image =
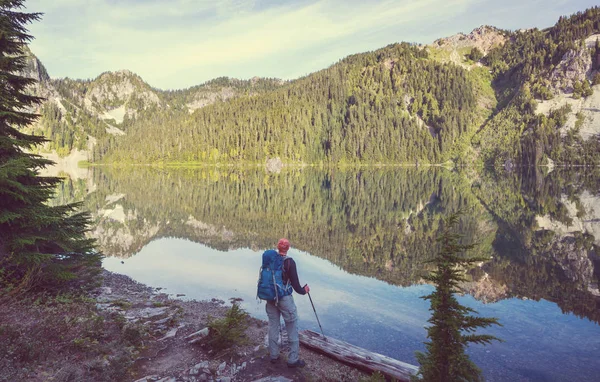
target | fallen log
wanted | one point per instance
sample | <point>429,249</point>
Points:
<point>357,357</point>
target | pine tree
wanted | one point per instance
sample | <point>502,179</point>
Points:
<point>586,89</point>
<point>453,327</point>
<point>577,89</point>
<point>38,243</point>
<point>475,54</point>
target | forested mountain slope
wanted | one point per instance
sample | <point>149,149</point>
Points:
<point>391,105</point>
<point>77,114</point>
<point>492,97</point>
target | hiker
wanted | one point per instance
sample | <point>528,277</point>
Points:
<point>286,307</point>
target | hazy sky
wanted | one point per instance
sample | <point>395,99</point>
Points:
<point>181,43</point>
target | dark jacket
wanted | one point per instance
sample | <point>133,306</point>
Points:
<point>291,273</point>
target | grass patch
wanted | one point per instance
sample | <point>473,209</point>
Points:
<point>121,304</point>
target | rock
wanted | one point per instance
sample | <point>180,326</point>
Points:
<point>103,306</point>
<point>150,313</point>
<point>197,336</point>
<point>163,321</point>
<point>106,290</point>
<point>168,379</point>
<point>199,366</point>
<point>274,379</point>
<point>222,367</point>
<point>148,378</point>
<point>226,379</point>
<point>575,65</point>
<point>203,377</point>
<point>170,334</point>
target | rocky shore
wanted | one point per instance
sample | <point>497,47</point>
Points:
<point>128,331</point>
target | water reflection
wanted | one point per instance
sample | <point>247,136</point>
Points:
<point>201,232</point>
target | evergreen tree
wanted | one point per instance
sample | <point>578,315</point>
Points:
<point>38,243</point>
<point>577,89</point>
<point>452,325</point>
<point>475,54</point>
<point>586,89</point>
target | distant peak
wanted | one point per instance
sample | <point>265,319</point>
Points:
<point>483,37</point>
<point>125,72</point>
<point>485,29</point>
<point>119,73</point>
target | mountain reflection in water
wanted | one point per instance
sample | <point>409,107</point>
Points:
<point>361,239</point>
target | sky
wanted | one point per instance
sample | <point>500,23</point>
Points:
<point>174,44</point>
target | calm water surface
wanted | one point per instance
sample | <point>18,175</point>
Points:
<point>360,239</point>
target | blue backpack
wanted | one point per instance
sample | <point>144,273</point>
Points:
<point>270,278</point>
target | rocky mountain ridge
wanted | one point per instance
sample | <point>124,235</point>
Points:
<point>112,101</point>
<point>456,47</point>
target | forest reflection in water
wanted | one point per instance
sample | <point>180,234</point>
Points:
<point>540,231</point>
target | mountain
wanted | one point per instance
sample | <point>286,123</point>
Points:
<point>77,114</point>
<point>492,97</point>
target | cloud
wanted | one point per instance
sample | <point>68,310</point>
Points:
<point>179,43</point>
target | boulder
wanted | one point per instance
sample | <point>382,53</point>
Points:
<point>575,65</point>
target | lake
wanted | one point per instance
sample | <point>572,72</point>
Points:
<point>361,239</point>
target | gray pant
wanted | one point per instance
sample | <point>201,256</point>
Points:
<point>287,309</point>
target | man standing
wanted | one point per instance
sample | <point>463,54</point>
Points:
<point>286,307</point>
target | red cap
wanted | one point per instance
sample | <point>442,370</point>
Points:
<point>283,246</point>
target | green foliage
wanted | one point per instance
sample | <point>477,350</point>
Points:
<point>580,120</point>
<point>475,55</point>
<point>123,304</point>
<point>39,243</point>
<point>596,80</point>
<point>390,105</point>
<point>452,325</point>
<point>133,334</point>
<point>577,90</point>
<point>541,90</point>
<point>229,330</point>
<point>586,89</point>
<point>397,104</point>
<point>520,67</point>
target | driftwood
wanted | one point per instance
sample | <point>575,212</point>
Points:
<point>357,357</point>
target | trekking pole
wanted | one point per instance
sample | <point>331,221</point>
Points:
<point>314,310</point>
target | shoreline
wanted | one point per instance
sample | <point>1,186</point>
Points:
<point>127,331</point>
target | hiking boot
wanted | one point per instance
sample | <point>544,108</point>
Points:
<point>274,360</point>
<point>298,363</point>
